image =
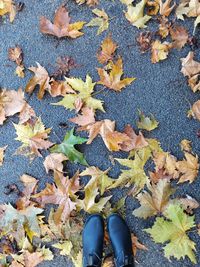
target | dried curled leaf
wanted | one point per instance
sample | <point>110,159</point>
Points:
<point>61,26</point>
<point>179,36</point>
<point>112,78</point>
<point>166,8</point>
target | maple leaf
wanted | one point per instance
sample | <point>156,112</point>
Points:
<point>19,221</point>
<point>190,67</point>
<point>188,167</point>
<point>64,65</point>
<point>26,114</point>
<point>88,204</point>
<point>2,150</point>
<point>134,175</point>
<point>61,26</point>
<point>194,83</point>
<point>187,203</point>
<point>159,51</point>
<point>146,123</point>
<point>8,6</point>
<point>174,231</point>
<point>179,36</point>
<point>33,136</point>
<point>101,177</point>
<point>85,90</point>
<point>60,88</point>
<point>112,79</point>
<point>102,21</point>
<point>165,8</point>
<point>108,48</point>
<point>135,14</point>
<point>61,193</point>
<point>32,259</point>
<point>11,102</point>
<point>155,200</point>
<point>68,149</point>
<point>153,7</point>
<point>164,27</point>
<point>54,162</point>
<point>41,78</point>
<point>86,118</point>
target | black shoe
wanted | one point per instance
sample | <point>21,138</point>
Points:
<point>120,237</point>
<point>93,237</point>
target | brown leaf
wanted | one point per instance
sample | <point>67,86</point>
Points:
<point>26,113</point>
<point>195,111</point>
<point>41,78</point>
<point>190,67</point>
<point>64,65</point>
<point>153,7</point>
<point>108,48</point>
<point>194,83</point>
<point>165,8</point>
<point>188,167</point>
<point>54,162</point>
<point>11,102</point>
<point>61,26</point>
<point>15,54</point>
<point>60,88</point>
<point>61,193</point>
<point>136,244</point>
<point>135,141</point>
<point>189,204</point>
<point>186,145</point>
<point>159,51</point>
<point>179,36</point>
<point>108,262</point>
<point>164,27</point>
<point>86,118</point>
<point>112,79</point>
<point>144,41</point>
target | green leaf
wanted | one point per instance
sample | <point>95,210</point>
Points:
<point>147,123</point>
<point>174,231</point>
<point>68,149</point>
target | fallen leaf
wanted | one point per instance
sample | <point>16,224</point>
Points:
<point>15,54</point>
<point>165,8</point>
<point>164,27</point>
<point>155,200</point>
<point>89,204</point>
<point>195,111</point>
<point>186,145</point>
<point>144,41</point>
<point>179,36</point>
<point>194,83</point>
<point>26,114</point>
<point>33,137</point>
<point>97,176</point>
<point>8,6</point>
<point>174,233</point>
<point>188,167</point>
<point>159,51</point>
<point>112,79</point>
<point>108,262</point>
<point>102,21</point>
<point>67,148</point>
<point>11,102</point>
<point>54,162</point>
<point>41,78</point>
<point>108,48</point>
<point>88,2</point>
<point>146,123</point>
<point>153,7</point>
<point>61,26</point>
<point>86,118</point>
<point>135,14</point>
<point>188,204</point>
<point>190,67</point>
<point>60,88</point>
<point>137,245</point>
<point>61,193</point>
<point>84,95</point>
<point>64,64</point>
<point>20,71</point>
